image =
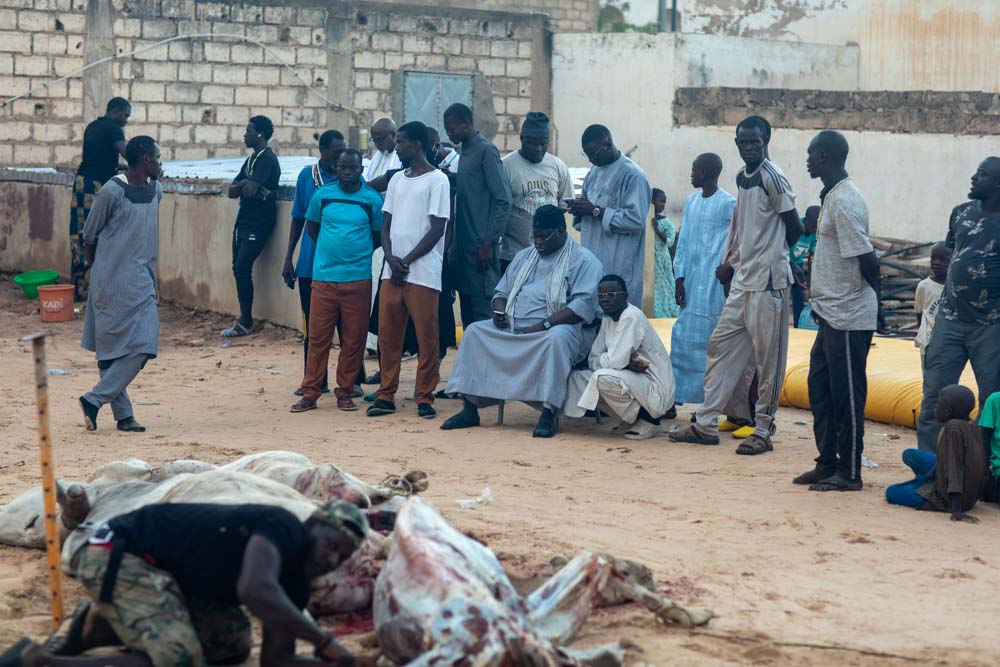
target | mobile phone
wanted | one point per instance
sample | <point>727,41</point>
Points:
<point>501,313</point>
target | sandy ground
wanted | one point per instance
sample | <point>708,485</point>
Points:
<point>796,578</point>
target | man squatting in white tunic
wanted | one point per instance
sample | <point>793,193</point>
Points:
<point>629,372</point>
<point>536,336</point>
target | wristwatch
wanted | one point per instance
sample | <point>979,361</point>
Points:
<point>596,212</point>
<point>546,324</point>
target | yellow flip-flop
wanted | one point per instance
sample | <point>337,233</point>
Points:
<point>725,426</point>
<point>743,432</point>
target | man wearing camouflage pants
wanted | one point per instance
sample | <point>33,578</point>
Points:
<point>169,581</point>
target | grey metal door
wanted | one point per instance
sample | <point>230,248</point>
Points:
<point>427,95</point>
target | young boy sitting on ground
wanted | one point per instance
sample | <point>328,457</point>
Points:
<point>952,480</point>
<point>989,424</point>
<point>925,301</point>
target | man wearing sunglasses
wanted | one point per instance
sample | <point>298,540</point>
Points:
<point>611,212</point>
<point>528,350</point>
<point>629,372</point>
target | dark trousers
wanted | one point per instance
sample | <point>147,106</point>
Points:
<point>952,344</point>
<point>798,304</point>
<point>247,247</point>
<point>475,308</point>
<point>305,294</point>
<point>838,388</point>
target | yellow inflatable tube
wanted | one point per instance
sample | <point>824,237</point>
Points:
<point>895,381</point>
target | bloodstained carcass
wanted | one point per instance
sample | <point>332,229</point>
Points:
<point>443,599</point>
<point>283,479</point>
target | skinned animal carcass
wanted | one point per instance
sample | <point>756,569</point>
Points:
<point>269,478</point>
<point>21,520</point>
<point>443,599</point>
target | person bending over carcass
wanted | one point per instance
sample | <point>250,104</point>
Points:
<point>169,581</point>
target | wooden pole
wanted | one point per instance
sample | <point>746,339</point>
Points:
<point>52,547</point>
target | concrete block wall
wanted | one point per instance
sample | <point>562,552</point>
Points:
<point>36,45</point>
<point>196,95</point>
<point>497,49</point>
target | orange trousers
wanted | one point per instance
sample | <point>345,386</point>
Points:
<point>396,304</point>
<point>350,305</point>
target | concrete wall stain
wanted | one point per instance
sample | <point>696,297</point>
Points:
<point>904,44</point>
<point>907,112</point>
<point>763,18</point>
<point>40,214</point>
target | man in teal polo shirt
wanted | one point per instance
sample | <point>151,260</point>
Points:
<point>344,219</point>
<point>324,172</point>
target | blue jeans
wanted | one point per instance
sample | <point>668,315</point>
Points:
<point>905,494</point>
<point>952,344</point>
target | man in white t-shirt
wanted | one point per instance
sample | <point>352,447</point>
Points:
<point>417,206</point>
<point>844,299</point>
<point>537,178</point>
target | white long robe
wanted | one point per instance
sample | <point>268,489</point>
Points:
<point>609,383</point>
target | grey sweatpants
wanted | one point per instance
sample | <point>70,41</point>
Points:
<point>752,325</point>
<point>116,375</point>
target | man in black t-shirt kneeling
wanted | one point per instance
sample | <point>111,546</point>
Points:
<point>170,579</point>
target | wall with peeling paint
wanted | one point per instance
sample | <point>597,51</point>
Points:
<point>904,44</point>
<point>600,76</point>
<point>911,181</point>
<point>195,265</point>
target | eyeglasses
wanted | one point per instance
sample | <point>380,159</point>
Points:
<point>598,151</point>
<point>544,238</point>
<point>608,295</point>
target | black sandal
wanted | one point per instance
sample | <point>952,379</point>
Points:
<point>130,425</point>
<point>692,436</point>
<point>754,445</point>
<point>837,483</point>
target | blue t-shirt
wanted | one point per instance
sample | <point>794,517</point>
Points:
<point>346,222</point>
<point>305,188</point>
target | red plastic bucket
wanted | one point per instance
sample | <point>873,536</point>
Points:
<point>56,303</point>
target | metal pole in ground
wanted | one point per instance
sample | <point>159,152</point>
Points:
<point>52,547</point>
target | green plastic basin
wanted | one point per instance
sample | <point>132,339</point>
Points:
<point>32,280</point>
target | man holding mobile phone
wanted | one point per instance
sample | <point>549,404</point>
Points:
<point>611,211</point>
<point>527,352</point>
